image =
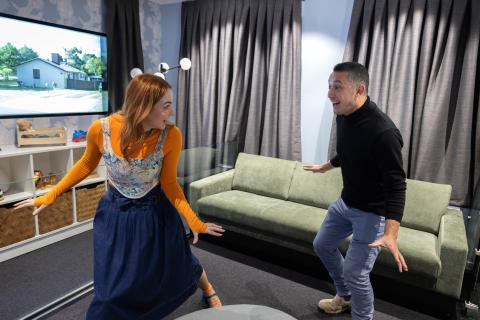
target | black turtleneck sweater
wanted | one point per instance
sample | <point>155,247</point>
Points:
<point>369,153</point>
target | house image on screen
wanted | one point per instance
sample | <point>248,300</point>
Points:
<point>41,73</point>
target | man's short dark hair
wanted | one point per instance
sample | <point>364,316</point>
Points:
<point>356,72</point>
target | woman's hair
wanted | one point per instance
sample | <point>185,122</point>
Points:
<point>143,92</point>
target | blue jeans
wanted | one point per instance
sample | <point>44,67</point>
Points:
<point>351,275</point>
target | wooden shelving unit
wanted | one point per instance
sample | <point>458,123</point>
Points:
<point>62,221</point>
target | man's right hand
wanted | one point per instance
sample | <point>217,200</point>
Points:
<point>29,203</point>
<point>318,168</point>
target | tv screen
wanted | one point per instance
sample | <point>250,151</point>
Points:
<point>47,69</point>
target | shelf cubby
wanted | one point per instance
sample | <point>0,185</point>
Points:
<point>16,179</point>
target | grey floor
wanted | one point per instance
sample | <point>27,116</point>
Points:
<point>35,279</point>
<point>30,280</point>
<point>239,283</point>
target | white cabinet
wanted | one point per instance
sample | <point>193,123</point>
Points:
<point>26,173</point>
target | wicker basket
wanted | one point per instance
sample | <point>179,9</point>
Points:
<point>16,225</point>
<point>87,201</point>
<point>57,215</point>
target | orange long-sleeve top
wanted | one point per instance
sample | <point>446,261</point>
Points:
<point>168,175</point>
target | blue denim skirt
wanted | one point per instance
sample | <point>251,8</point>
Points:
<point>143,265</point>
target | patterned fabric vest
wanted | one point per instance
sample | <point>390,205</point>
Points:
<point>137,178</point>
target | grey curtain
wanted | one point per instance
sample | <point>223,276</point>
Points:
<point>423,60</point>
<point>243,90</point>
<point>124,48</point>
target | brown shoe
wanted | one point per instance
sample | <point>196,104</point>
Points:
<point>335,305</point>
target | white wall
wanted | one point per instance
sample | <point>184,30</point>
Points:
<point>324,33</point>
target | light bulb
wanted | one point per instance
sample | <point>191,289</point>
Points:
<point>185,63</point>
<point>159,74</point>
<point>163,67</point>
<point>135,72</point>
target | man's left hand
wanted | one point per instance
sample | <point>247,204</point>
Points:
<point>391,244</point>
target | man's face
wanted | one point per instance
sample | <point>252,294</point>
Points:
<point>342,93</point>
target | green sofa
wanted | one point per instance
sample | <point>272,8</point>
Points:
<point>276,200</point>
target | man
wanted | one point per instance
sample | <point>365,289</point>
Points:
<point>373,196</point>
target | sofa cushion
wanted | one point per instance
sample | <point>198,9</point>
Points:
<point>283,218</point>
<point>417,247</point>
<point>237,206</point>
<point>294,220</point>
<point>419,250</point>
<point>315,189</point>
<point>425,205</point>
<point>264,176</point>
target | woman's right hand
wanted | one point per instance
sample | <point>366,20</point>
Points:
<point>212,229</point>
<point>29,203</point>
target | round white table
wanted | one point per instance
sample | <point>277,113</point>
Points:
<point>238,312</point>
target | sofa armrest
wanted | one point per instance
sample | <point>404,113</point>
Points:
<point>210,185</point>
<point>452,248</point>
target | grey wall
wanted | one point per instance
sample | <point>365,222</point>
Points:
<point>161,28</point>
<point>83,14</point>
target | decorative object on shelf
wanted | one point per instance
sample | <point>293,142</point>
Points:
<point>52,179</point>
<point>24,125</point>
<point>26,135</point>
<point>79,135</point>
<point>184,64</point>
<point>39,179</point>
<point>4,181</point>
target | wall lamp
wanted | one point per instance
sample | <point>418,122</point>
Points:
<point>184,64</point>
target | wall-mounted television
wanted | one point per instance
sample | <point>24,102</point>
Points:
<point>51,70</point>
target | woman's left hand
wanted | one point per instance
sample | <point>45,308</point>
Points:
<point>212,229</point>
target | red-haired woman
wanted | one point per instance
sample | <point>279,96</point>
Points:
<point>143,265</point>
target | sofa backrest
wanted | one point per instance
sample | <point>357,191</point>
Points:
<point>263,175</point>
<point>315,189</point>
<point>425,205</point>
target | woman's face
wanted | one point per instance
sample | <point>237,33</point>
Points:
<point>161,112</point>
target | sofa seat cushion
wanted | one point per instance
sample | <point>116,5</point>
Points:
<point>283,218</point>
<point>295,220</point>
<point>237,206</point>
<point>419,249</point>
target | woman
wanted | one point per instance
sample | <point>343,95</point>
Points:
<point>143,266</point>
